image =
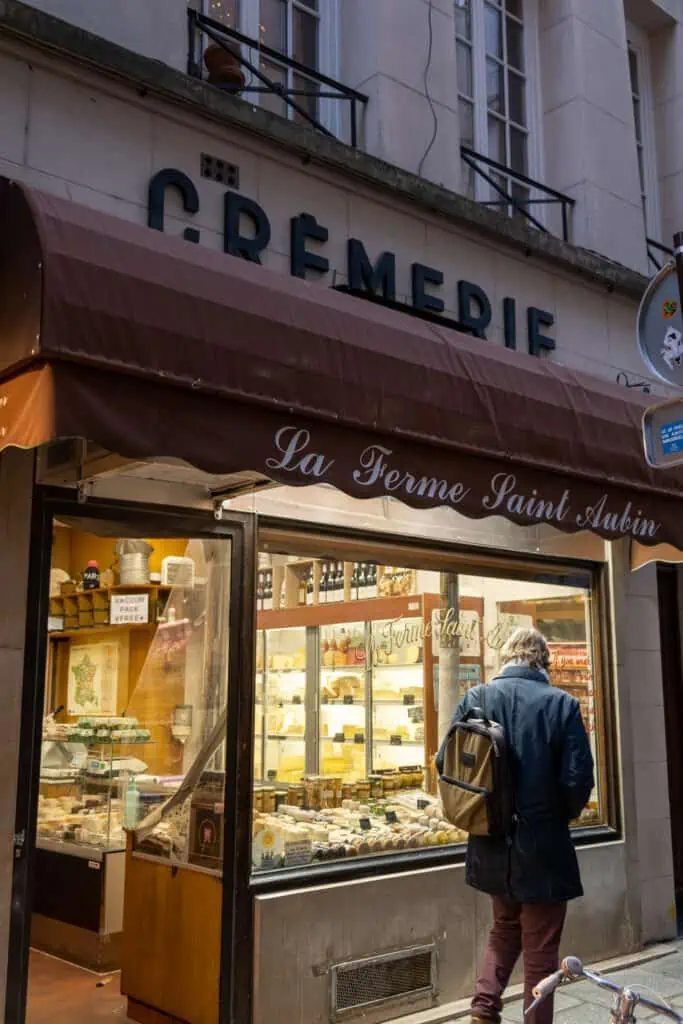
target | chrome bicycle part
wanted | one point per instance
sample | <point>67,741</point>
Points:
<point>625,999</point>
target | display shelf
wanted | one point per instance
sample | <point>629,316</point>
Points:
<point>403,743</point>
<point>392,668</point>
<point>69,634</point>
<point>73,849</point>
<point>359,667</point>
<point>398,703</point>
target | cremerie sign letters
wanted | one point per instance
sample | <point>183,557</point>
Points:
<point>247,232</point>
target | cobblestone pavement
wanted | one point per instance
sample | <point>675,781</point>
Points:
<point>583,1003</point>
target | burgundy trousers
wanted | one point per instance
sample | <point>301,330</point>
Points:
<point>533,930</point>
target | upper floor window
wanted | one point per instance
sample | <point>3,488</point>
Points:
<point>492,55</point>
<point>643,119</point>
<point>303,30</point>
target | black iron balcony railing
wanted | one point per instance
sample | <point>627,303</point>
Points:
<point>658,254</point>
<point>303,102</point>
<point>500,178</point>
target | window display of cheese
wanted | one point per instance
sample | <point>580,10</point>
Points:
<point>343,686</point>
<point>287,662</point>
<point>354,829</point>
<point>84,820</point>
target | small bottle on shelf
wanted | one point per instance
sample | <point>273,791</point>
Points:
<point>354,582</point>
<point>268,590</point>
<point>324,583</point>
<point>302,589</point>
<point>336,591</point>
<point>91,576</point>
<point>362,581</point>
<point>341,590</point>
<point>371,580</point>
<point>310,588</point>
<point>259,590</point>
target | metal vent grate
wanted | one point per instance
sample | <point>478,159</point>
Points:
<point>361,984</point>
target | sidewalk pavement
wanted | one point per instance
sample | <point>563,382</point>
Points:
<point>657,971</point>
<point>583,1003</point>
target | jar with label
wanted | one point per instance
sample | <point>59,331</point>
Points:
<point>312,793</point>
<point>327,793</point>
<point>296,795</point>
<point>268,799</point>
<point>363,790</point>
<point>338,790</point>
<point>258,800</point>
<point>376,787</point>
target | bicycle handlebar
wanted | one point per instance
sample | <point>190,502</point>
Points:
<point>572,969</point>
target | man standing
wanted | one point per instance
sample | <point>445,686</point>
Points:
<point>534,872</point>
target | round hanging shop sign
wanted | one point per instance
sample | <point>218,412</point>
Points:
<point>660,327</point>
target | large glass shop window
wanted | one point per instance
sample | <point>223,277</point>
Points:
<point>359,668</point>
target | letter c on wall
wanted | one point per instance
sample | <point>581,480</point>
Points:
<point>162,181</point>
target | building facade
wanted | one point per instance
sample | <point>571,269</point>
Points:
<point>504,168</point>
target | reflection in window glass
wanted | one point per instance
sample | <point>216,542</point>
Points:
<point>225,11</point>
<point>360,667</point>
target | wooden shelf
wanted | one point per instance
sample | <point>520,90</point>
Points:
<point>341,612</point>
<point>68,634</point>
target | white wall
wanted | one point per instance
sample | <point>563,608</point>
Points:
<point>386,54</point>
<point>585,129</point>
<point>155,28</point>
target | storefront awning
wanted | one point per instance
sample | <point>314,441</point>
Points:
<point>154,347</point>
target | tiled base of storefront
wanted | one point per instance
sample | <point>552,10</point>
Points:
<point>659,969</point>
<point>60,993</point>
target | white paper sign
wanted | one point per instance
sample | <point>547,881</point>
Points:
<point>127,609</point>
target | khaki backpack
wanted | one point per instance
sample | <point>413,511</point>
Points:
<point>476,783</point>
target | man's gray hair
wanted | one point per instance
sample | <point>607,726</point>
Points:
<point>527,647</point>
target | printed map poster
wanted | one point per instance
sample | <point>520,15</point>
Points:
<point>93,679</point>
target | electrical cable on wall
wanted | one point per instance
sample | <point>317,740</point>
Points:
<point>426,88</point>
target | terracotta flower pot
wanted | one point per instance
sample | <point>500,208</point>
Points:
<point>225,70</point>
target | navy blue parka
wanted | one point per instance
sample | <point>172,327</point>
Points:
<point>552,772</point>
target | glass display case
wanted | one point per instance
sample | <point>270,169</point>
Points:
<point>342,693</point>
<point>88,789</point>
<point>398,694</point>
<point>285,704</point>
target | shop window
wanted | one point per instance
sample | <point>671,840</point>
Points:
<point>494,58</point>
<point>304,30</point>
<point>360,665</point>
<point>643,122</point>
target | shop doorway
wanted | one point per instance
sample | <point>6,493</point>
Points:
<point>126,895</point>
<point>672,679</point>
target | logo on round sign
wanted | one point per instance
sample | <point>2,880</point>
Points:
<point>660,327</point>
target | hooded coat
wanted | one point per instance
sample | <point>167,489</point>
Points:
<point>552,774</point>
